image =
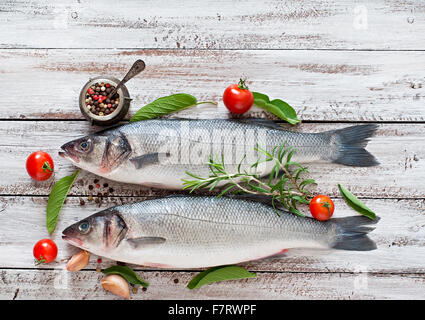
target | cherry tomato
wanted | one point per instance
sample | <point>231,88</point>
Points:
<point>45,251</point>
<point>322,207</point>
<point>40,165</point>
<point>237,98</point>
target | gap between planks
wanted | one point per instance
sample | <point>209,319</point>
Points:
<point>140,269</point>
<point>218,49</point>
<point>281,122</point>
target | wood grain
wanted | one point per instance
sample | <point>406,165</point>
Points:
<point>320,85</point>
<point>60,284</point>
<point>396,146</point>
<point>400,236</point>
<point>313,24</point>
<point>345,61</point>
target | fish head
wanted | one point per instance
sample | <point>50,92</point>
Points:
<point>99,233</point>
<point>98,153</point>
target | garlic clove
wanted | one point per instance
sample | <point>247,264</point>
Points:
<point>117,285</point>
<point>78,261</point>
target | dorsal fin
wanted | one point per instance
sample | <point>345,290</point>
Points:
<point>260,121</point>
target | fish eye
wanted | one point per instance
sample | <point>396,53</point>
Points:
<point>84,227</point>
<point>85,145</point>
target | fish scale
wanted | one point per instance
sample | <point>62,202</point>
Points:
<point>158,153</point>
<point>192,232</point>
<point>207,231</point>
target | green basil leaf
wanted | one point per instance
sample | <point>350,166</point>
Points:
<point>164,105</point>
<point>278,107</point>
<point>217,274</point>
<point>289,112</point>
<point>56,199</point>
<point>260,96</point>
<point>127,273</point>
<point>355,203</point>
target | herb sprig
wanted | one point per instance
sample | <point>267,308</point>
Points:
<point>284,184</point>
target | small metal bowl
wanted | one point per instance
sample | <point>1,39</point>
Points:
<point>112,118</point>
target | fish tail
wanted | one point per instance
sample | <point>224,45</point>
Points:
<point>351,233</point>
<point>348,145</point>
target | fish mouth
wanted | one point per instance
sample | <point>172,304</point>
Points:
<point>67,153</point>
<point>74,241</point>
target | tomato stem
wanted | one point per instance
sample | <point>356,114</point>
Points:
<point>41,261</point>
<point>46,166</point>
<point>327,205</point>
<point>242,85</point>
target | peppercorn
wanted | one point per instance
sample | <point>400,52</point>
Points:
<point>97,100</point>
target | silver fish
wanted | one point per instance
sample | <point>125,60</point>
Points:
<point>194,232</point>
<point>158,153</point>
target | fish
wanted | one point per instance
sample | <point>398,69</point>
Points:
<point>158,153</point>
<point>204,231</point>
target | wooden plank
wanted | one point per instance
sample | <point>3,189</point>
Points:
<point>56,285</point>
<point>320,85</point>
<point>397,147</point>
<point>400,236</point>
<point>313,24</point>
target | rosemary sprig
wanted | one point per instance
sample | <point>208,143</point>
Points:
<point>284,184</point>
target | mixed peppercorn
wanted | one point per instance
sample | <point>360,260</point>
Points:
<point>97,101</point>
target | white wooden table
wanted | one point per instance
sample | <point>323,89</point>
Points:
<point>338,64</point>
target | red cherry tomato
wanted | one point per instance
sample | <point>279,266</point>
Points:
<point>40,165</point>
<point>237,98</point>
<point>45,251</point>
<point>322,207</point>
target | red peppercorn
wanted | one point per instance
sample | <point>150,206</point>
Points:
<point>90,91</point>
<point>99,260</point>
<point>97,186</point>
<point>107,85</point>
<point>109,105</point>
<point>95,97</point>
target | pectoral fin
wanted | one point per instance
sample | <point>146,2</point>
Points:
<point>145,241</point>
<point>147,159</point>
